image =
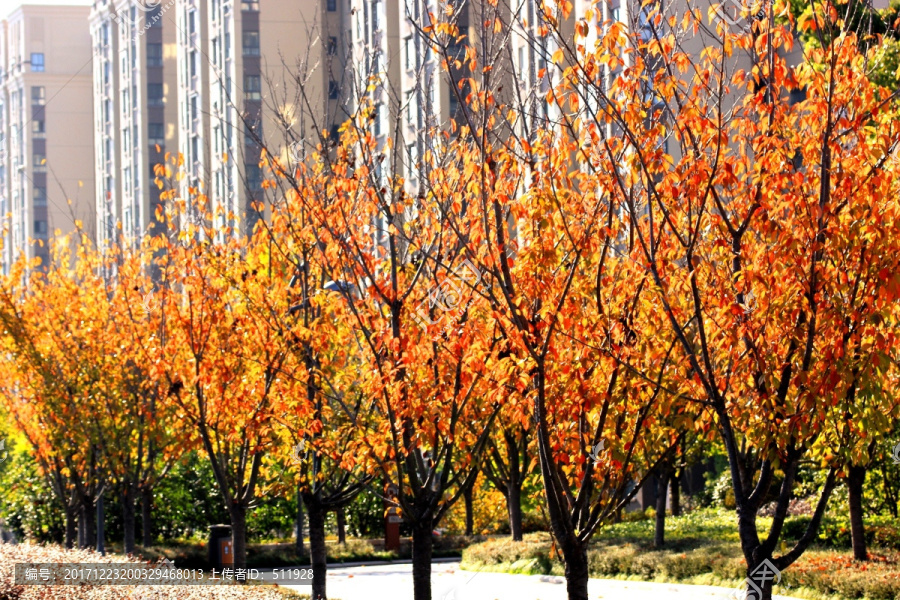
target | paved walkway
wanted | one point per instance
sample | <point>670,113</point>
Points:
<point>394,582</point>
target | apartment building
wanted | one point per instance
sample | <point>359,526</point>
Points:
<point>394,68</point>
<point>46,148</point>
<point>253,74</point>
<point>135,112</point>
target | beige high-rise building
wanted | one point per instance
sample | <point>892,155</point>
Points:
<point>250,74</point>
<point>46,145</point>
<point>135,112</point>
<point>396,69</point>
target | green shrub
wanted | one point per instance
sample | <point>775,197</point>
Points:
<point>639,515</point>
<point>722,492</point>
<point>504,551</point>
<point>795,527</point>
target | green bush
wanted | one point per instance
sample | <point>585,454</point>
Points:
<point>632,560</point>
<point>29,508</point>
<point>532,555</point>
<point>722,492</point>
<point>795,527</point>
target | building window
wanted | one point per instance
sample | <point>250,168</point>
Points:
<point>412,109</point>
<point>154,55</point>
<point>155,94</point>
<point>40,161</point>
<point>192,21</point>
<point>37,127</point>
<point>40,228</point>
<point>156,133</point>
<point>251,131</point>
<point>334,90</point>
<point>37,95</point>
<point>251,43</point>
<point>254,176</point>
<point>410,46</point>
<point>332,5</point>
<point>332,45</point>
<point>252,87</point>
<point>250,5</point>
<point>380,124</point>
<point>37,61</point>
<point>454,105</point>
<point>377,17</point>
<point>40,196</point>
<point>154,17</point>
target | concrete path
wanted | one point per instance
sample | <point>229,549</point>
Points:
<point>394,582</point>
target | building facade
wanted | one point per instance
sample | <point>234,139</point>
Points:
<point>46,149</point>
<point>135,112</point>
<point>251,75</point>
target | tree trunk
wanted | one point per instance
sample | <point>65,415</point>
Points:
<point>128,519</point>
<point>575,556</point>
<point>759,584</point>
<point>71,526</point>
<point>468,497</point>
<point>662,484</point>
<point>146,516</point>
<point>422,547</point>
<point>675,493</point>
<point>341,526</point>
<point>856,477</point>
<point>238,515</point>
<point>81,533</point>
<point>514,506</point>
<point>87,523</point>
<point>299,524</point>
<point>101,520</point>
<point>317,553</point>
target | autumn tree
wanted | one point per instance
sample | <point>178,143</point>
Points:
<point>427,383</point>
<point>766,224</point>
<point>319,423</point>
<point>509,462</point>
<point>228,381</point>
<point>142,444</point>
<point>55,321</point>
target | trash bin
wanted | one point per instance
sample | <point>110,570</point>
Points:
<point>221,553</point>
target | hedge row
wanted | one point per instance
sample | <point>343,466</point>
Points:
<point>825,571</point>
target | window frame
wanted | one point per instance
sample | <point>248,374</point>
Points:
<point>154,60</point>
<point>252,91</point>
<point>39,66</point>
<point>250,50</point>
